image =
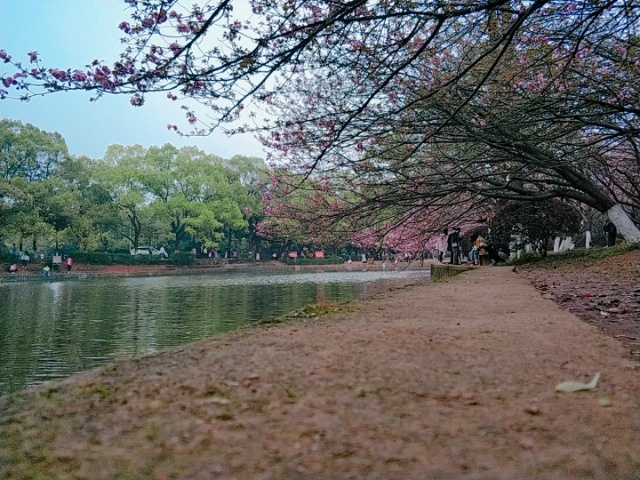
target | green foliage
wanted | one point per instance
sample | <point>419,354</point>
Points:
<point>583,255</point>
<point>164,195</point>
<point>181,258</point>
<point>99,258</point>
<point>28,152</point>
<point>177,198</point>
<point>30,161</point>
<point>167,194</point>
<point>108,258</point>
<point>527,258</point>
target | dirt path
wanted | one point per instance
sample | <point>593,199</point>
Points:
<point>447,380</point>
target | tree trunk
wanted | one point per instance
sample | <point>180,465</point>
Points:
<point>624,224</point>
<point>570,245</point>
<point>229,243</point>
<point>567,244</point>
<point>177,227</point>
<point>563,245</point>
<point>587,235</point>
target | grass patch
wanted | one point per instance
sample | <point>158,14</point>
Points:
<point>258,405</point>
<point>590,255</point>
<point>312,311</point>
<point>103,390</point>
<point>225,417</point>
<point>49,392</point>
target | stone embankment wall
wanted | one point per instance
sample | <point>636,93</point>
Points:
<point>442,271</point>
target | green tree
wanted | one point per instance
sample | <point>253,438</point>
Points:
<point>195,193</point>
<point>30,161</point>
<point>248,176</point>
<point>88,205</point>
<point>119,174</point>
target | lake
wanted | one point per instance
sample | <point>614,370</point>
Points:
<point>54,329</point>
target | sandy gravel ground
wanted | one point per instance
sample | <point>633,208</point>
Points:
<point>447,380</point>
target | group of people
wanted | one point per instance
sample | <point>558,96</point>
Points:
<point>22,256</point>
<point>25,258</point>
<point>68,264</point>
<point>480,252</point>
<point>452,243</point>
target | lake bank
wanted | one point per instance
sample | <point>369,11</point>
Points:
<point>51,329</point>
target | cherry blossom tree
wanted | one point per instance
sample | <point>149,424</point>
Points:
<point>503,130</point>
<point>398,109</point>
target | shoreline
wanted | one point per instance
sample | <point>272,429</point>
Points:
<point>82,271</point>
<point>20,374</point>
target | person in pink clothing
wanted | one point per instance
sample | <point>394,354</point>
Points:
<point>69,263</point>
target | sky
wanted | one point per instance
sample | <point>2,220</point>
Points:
<point>70,34</point>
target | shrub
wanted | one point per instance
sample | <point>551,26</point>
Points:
<point>181,258</point>
<point>313,261</point>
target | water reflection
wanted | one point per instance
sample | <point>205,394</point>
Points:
<point>51,330</point>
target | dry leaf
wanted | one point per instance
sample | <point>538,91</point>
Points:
<point>572,386</point>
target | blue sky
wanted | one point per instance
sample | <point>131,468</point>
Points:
<point>70,34</point>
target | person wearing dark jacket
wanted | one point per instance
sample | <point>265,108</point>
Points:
<point>610,233</point>
<point>453,245</point>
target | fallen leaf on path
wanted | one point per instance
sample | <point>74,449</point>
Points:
<point>219,400</point>
<point>572,386</point>
<point>605,402</point>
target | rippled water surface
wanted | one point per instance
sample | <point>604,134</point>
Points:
<point>51,330</point>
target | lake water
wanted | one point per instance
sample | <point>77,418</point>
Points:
<point>54,329</point>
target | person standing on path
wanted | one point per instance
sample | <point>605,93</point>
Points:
<point>453,242</point>
<point>482,249</point>
<point>610,233</point>
<point>69,263</point>
<point>24,258</point>
<point>473,253</point>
